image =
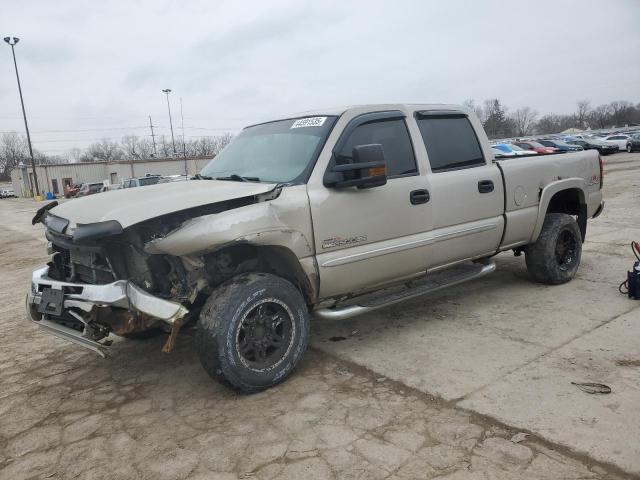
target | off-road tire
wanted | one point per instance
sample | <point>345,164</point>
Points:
<point>542,257</point>
<point>223,318</point>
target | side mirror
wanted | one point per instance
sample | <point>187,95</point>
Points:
<point>367,169</point>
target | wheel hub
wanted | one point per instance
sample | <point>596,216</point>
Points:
<point>566,250</point>
<point>265,335</point>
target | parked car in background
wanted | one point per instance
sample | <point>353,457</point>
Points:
<point>89,189</point>
<point>141,181</point>
<point>536,147</point>
<point>173,178</point>
<point>560,145</point>
<point>7,193</point>
<point>619,140</point>
<point>594,144</point>
<point>113,186</point>
<point>510,150</point>
<point>633,144</point>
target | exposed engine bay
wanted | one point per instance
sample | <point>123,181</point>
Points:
<point>105,254</point>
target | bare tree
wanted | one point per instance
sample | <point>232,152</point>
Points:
<point>165,148</point>
<point>130,147</point>
<point>220,142</point>
<point>582,114</point>
<point>145,148</point>
<point>600,116</point>
<point>13,150</point>
<point>104,151</point>
<point>75,154</point>
<point>205,146</point>
<point>622,113</point>
<point>480,112</point>
<point>524,119</point>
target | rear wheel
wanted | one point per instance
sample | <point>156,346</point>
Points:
<point>629,149</point>
<point>253,331</point>
<point>555,256</point>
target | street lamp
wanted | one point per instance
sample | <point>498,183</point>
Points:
<point>173,142</point>
<point>12,42</point>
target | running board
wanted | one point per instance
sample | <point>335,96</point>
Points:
<point>389,296</point>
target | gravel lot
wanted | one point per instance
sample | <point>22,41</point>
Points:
<point>66,413</point>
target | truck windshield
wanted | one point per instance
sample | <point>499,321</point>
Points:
<point>281,151</point>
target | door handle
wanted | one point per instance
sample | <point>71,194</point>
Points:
<point>485,186</point>
<point>419,196</point>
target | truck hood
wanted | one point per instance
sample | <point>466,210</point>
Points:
<point>133,205</point>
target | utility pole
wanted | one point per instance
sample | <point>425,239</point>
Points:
<point>184,149</point>
<point>12,42</point>
<point>173,142</point>
<point>153,137</point>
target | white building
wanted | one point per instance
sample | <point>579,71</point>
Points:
<point>53,177</point>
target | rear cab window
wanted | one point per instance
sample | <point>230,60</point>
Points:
<point>450,140</point>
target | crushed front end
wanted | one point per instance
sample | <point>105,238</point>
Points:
<point>100,281</point>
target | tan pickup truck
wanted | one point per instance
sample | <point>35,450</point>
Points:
<point>328,215</point>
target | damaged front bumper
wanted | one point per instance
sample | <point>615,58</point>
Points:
<point>49,298</point>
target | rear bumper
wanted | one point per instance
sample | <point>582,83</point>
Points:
<point>599,210</point>
<point>80,300</point>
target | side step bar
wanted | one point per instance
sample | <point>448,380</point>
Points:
<point>431,283</point>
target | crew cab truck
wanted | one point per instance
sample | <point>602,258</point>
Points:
<point>324,215</point>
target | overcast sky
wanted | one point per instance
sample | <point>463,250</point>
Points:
<point>100,66</point>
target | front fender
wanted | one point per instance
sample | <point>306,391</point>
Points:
<point>547,194</point>
<point>258,224</point>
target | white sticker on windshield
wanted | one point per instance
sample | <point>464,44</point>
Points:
<point>309,122</point>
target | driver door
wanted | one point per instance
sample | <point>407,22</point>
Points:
<point>369,237</point>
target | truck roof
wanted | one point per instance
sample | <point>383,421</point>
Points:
<point>373,107</point>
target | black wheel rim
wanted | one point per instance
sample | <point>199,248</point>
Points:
<point>566,250</point>
<point>265,335</point>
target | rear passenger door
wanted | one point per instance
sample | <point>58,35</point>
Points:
<point>466,189</point>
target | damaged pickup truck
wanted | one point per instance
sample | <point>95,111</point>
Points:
<point>328,215</point>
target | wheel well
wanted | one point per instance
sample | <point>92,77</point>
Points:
<point>245,257</point>
<point>571,202</point>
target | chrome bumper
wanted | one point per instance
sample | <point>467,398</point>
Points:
<point>85,297</point>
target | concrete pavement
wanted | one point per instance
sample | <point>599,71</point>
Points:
<point>509,349</point>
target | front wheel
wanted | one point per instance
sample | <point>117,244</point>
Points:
<point>555,256</point>
<point>629,149</point>
<point>253,331</point>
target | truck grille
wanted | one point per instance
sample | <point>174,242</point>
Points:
<point>83,267</point>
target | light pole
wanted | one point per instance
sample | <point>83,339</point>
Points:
<point>184,148</point>
<point>12,42</point>
<point>173,142</point>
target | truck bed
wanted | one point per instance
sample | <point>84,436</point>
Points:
<point>526,178</point>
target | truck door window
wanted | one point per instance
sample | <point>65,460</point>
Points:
<point>396,143</point>
<point>451,142</point>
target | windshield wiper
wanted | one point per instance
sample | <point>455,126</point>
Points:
<point>239,178</point>
<point>197,176</point>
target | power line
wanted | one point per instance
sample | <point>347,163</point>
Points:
<point>72,140</point>
<point>119,128</point>
<point>218,128</point>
